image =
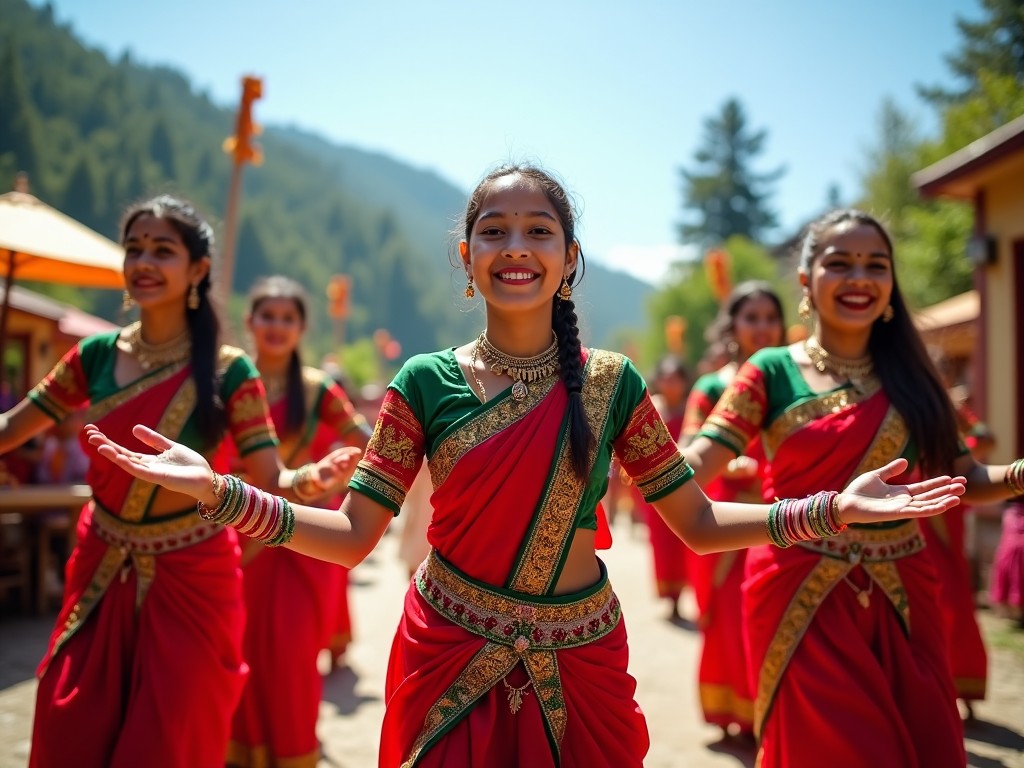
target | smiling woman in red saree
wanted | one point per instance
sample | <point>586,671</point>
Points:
<point>845,645</point>
<point>482,608</point>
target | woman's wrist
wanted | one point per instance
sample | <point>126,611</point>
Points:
<point>1014,477</point>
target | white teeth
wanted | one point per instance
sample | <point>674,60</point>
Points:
<point>515,276</point>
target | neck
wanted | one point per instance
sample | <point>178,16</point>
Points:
<point>272,365</point>
<point>161,326</point>
<point>846,345</point>
<point>520,337</point>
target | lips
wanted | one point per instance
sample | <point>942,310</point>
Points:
<point>855,301</point>
<point>516,276</point>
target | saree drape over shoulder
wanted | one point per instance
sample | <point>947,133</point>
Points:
<point>844,636</point>
<point>144,666</point>
<point>291,606</point>
<point>722,676</point>
<point>482,633</point>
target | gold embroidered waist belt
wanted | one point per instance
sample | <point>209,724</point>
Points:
<point>151,538</point>
<point>519,621</point>
<point>871,545</point>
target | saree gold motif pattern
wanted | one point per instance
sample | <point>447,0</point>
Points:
<point>647,442</point>
<point>484,425</point>
<point>889,443</point>
<point>490,664</point>
<point>141,543</point>
<point>809,411</point>
<point>531,630</point>
<point>886,576</point>
<point>822,579</point>
<point>59,394</point>
<point>100,408</point>
<point>140,493</point>
<point>537,566</point>
<point>396,437</point>
<point>523,625</point>
<point>739,413</point>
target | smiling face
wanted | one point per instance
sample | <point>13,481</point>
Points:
<point>516,251</point>
<point>157,269</point>
<point>277,325</point>
<point>757,324</point>
<point>851,277</point>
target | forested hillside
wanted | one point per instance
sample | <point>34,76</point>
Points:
<point>96,134</point>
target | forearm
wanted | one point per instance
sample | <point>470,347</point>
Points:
<point>333,536</point>
<point>721,526</point>
<point>987,483</point>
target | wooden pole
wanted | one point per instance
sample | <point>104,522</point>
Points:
<point>225,275</point>
<point>12,257</point>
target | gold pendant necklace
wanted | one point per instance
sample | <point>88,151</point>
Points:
<point>855,370</point>
<point>154,355</point>
<point>522,370</point>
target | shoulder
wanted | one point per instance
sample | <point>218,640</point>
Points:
<point>426,367</point>
<point>99,342</point>
<point>771,359</point>
<point>234,364</point>
<point>228,355</point>
<point>314,377</point>
<point>709,383</point>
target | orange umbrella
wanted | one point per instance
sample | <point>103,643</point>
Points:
<point>38,242</point>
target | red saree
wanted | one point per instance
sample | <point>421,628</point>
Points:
<point>480,622</point>
<point>846,644</point>
<point>291,602</point>
<point>672,559</point>
<point>722,677</point>
<point>144,666</point>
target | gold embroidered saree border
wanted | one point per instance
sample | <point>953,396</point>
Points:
<point>537,567</point>
<point>889,443</point>
<point>490,664</point>
<point>140,493</point>
<point>792,420</point>
<point>100,408</point>
<point>825,575</point>
<point>482,426</point>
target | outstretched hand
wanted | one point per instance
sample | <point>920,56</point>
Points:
<point>334,470</point>
<point>175,466</point>
<point>869,499</point>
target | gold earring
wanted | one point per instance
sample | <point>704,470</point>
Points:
<point>127,302</point>
<point>193,297</point>
<point>565,292</point>
<point>804,308</point>
<point>470,290</point>
<point>888,314</point>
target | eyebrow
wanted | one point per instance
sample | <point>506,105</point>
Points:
<point>156,239</point>
<point>834,251</point>
<point>501,214</point>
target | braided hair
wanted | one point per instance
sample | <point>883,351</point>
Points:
<point>902,363</point>
<point>203,324</point>
<point>563,311</point>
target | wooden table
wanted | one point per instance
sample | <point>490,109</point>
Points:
<point>33,501</point>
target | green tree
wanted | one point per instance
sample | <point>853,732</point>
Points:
<point>161,150</point>
<point>994,45</point>
<point>20,126</point>
<point>81,193</point>
<point>728,196</point>
<point>688,293</point>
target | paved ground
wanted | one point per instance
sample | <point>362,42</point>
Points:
<point>663,659</point>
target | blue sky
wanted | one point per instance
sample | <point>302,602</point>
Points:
<point>610,95</point>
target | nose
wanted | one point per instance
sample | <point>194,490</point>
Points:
<point>515,246</point>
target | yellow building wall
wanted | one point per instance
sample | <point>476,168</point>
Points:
<point>1004,220</point>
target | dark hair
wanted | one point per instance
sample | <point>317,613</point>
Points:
<point>902,363</point>
<point>723,328</point>
<point>563,312</point>
<point>281,287</point>
<point>203,323</point>
<point>670,365</point>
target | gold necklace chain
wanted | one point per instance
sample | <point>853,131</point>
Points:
<point>522,370</point>
<point>154,355</point>
<point>855,370</point>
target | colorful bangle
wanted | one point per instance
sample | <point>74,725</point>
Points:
<point>305,486</point>
<point>1014,477</point>
<point>254,513</point>
<point>791,521</point>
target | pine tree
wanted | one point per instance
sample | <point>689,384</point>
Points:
<point>20,124</point>
<point>995,45</point>
<point>728,196</point>
<point>161,150</point>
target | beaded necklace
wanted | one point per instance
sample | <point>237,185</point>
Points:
<point>154,355</point>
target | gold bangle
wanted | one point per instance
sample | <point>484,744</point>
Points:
<point>303,476</point>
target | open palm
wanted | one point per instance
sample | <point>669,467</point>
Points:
<point>175,466</point>
<point>870,499</point>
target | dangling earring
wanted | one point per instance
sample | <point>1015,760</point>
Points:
<point>804,308</point>
<point>127,302</point>
<point>470,290</point>
<point>733,348</point>
<point>888,314</point>
<point>565,292</point>
<point>193,297</point>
